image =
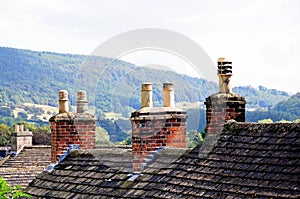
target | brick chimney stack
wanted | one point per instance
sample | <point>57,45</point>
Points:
<point>71,128</point>
<point>156,127</point>
<point>225,105</point>
<point>20,138</point>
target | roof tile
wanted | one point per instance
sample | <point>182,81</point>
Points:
<point>245,160</point>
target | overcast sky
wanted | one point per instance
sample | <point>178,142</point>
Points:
<point>261,37</point>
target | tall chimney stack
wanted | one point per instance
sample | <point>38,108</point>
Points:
<point>168,94</point>
<point>63,101</point>
<point>20,138</point>
<point>69,128</point>
<point>147,95</point>
<point>224,73</point>
<point>154,128</point>
<point>82,103</point>
<point>225,105</point>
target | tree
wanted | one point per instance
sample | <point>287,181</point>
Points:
<point>291,105</point>
<point>265,121</point>
<point>190,135</point>
<point>29,126</point>
<point>41,136</point>
<point>255,116</point>
<point>102,137</point>
<point>195,138</point>
<point>9,121</point>
<point>114,131</point>
<point>22,115</point>
<point>6,112</point>
<point>198,139</point>
<point>196,119</point>
<point>4,135</point>
<point>127,141</point>
<point>284,121</point>
<point>126,111</point>
<point>125,125</point>
<point>11,192</point>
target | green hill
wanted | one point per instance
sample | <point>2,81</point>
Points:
<point>291,105</point>
<point>261,97</point>
<point>36,77</point>
<point>286,110</point>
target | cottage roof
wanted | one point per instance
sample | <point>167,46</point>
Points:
<point>22,169</point>
<point>244,160</point>
<point>248,160</point>
<point>83,174</point>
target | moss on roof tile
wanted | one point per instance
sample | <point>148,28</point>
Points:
<point>81,153</point>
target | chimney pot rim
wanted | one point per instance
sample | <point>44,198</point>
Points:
<point>146,87</point>
<point>168,83</point>
<point>63,92</point>
<point>223,59</point>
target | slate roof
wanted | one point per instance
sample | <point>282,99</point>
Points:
<point>245,160</point>
<point>22,169</point>
<point>83,175</point>
<point>114,157</point>
<point>120,158</point>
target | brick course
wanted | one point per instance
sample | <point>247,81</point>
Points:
<point>154,129</point>
<point>66,129</point>
<point>222,107</point>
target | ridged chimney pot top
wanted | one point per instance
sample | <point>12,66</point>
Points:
<point>147,87</point>
<point>168,86</point>
<point>63,102</point>
<point>224,67</point>
<point>224,59</point>
<point>81,95</point>
<point>224,73</point>
<point>63,95</point>
<point>19,128</point>
<point>82,103</point>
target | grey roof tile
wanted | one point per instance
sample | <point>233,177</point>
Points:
<point>24,168</point>
<point>246,160</point>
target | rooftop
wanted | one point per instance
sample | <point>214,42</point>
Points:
<point>95,173</point>
<point>22,169</point>
<point>121,158</point>
<point>245,160</point>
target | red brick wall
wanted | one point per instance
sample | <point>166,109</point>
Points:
<point>223,107</point>
<point>69,131</point>
<point>150,134</point>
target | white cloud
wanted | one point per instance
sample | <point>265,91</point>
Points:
<point>259,36</point>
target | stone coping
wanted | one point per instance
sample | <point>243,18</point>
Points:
<point>73,117</point>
